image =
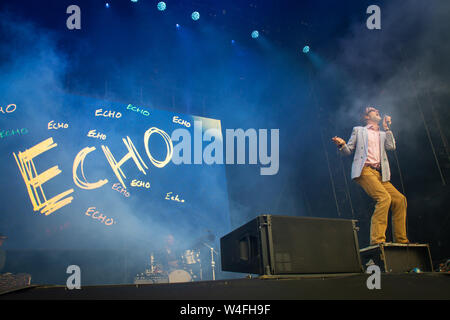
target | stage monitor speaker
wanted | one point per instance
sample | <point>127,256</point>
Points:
<point>397,257</point>
<point>277,245</point>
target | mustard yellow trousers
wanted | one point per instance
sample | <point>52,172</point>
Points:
<point>386,197</point>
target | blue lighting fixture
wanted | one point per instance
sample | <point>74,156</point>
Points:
<point>107,5</point>
<point>134,0</point>
<point>161,6</point>
<point>195,15</point>
<point>255,34</point>
<point>233,42</point>
<point>305,49</point>
<point>178,26</point>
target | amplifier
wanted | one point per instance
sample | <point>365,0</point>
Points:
<point>397,257</point>
<point>276,245</point>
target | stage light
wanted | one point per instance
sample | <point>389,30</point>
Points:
<point>195,15</point>
<point>305,49</point>
<point>161,6</point>
<point>107,5</point>
<point>232,41</point>
<point>255,34</point>
<point>178,26</point>
<point>134,0</point>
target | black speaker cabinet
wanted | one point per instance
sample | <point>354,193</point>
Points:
<point>396,257</point>
<point>277,245</point>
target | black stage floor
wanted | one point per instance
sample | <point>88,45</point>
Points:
<point>405,286</point>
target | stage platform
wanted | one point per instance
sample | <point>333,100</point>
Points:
<point>405,286</point>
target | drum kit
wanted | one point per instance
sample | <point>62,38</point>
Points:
<point>189,268</point>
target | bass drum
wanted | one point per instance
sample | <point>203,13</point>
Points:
<point>179,276</point>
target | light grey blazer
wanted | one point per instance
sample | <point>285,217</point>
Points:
<point>358,143</point>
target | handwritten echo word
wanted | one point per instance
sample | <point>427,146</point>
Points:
<point>34,180</point>
<point>139,110</point>
<point>181,121</point>
<point>12,132</point>
<point>96,215</point>
<point>107,114</point>
<point>57,229</point>
<point>10,108</point>
<point>172,198</point>
<point>120,189</point>
<point>97,135</point>
<point>141,184</point>
<point>55,126</point>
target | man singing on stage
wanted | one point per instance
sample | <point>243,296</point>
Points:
<point>370,169</point>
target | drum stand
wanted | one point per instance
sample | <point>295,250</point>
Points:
<point>201,269</point>
<point>213,263</point>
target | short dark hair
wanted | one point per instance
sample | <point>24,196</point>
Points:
<point>365,112</point>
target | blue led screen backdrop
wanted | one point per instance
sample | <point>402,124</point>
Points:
<point>83,173</point>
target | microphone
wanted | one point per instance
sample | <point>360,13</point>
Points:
<point>387,120</point>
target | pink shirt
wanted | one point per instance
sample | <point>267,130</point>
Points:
<point>373,145</point>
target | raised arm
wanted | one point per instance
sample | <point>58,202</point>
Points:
<point>389,142</point>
